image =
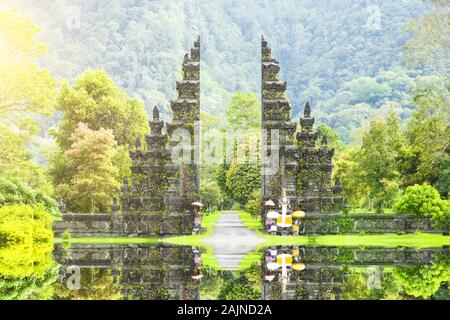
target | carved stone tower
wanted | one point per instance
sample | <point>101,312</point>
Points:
<point>277,128</point>
<point>183,172</point>
<point>304,169</point>
<point>165,174</point>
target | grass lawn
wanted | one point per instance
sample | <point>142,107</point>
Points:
<point>416,240</point>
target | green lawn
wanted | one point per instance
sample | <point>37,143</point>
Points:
<point>416,240</point>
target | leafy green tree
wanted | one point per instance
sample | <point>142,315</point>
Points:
<point>254,204</point>
<point>428,136</point>
<point>244,111</point>
<point>211,195</point>
<point>242,180</point>
<point>333,139</point>
<point>377,160</point>
<point>95,100</point>
<point>425,201</point>
<point>17,192</point>
<point>16,160</point>
<point>94,178</point>
<point>221,176</point>
<point>351,176</point>
<point>26,88</point>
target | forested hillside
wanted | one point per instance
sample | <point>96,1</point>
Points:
<point>343,55</point>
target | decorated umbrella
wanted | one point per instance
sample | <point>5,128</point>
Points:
<point>269,203</point>
<point>270,277</point>
<point>298,214</point>
<point>298,266</point>
<point>272,266</point>
<point>197,204</point>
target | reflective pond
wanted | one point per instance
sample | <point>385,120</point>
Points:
<point>175,272</point>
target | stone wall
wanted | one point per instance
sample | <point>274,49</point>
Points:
<point>132,225</point>
<point>329,223</point>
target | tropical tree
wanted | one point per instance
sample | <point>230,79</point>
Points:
<point>244,112</point>
<point>26,89</point>
<point>374,167</point>
<point>211,195</point>
<point>93,179</point>
<point>16,161</point>
<point>428,138</point>
<point>95,100</point>
<point>242,180</point>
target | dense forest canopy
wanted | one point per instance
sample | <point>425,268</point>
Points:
<point>345,56</point>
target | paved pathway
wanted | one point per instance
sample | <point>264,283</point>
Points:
<point>231,240</point>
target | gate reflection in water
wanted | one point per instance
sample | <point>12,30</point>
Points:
<point>283,272</point>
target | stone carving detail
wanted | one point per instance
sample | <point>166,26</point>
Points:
<point>158,184</point>
<point>315,192</point>
<point>276,111</point>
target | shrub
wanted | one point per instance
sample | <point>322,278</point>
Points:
<point>424,201</point>
<point>242,180</point>
<point>211,196</point>
<point>253,205</point>
<point>25,224</point>
<point>17,192</point>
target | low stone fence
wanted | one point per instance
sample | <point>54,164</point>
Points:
<point>330,223</point>
<point>132,225</point>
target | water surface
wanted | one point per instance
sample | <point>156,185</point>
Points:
<point>148,272</point>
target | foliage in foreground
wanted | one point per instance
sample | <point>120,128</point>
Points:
<point>26,270</point>
<point>14,191</point>
<point>25,224</point>
<point>423,281</point>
